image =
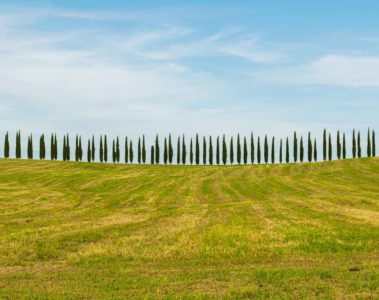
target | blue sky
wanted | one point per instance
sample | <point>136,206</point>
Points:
<point>133,67</point>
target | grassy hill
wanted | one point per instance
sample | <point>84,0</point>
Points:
<point>79,230</point>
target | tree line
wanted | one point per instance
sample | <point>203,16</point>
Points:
<point>242,151</point>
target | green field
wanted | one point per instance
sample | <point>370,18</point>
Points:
<point>79,230</point>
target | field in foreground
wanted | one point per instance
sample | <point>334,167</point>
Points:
<point>78,230</point>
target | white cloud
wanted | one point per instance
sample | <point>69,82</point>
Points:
<point>330,70</point>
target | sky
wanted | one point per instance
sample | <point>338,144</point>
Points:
<point>213,67</point>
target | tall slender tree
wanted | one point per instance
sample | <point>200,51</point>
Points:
<point>314,150</point>
<point>224,150</point>
<point>80,149</point>
<point>152,155</point>
<point>197,152</point>
<point>113,151</point>
<point>93,148</point>
<point>231,151</point>
<point>281,151</point>
<point>330,152</point>
<point>105,148</point>
<point>210,151</point>
<point>117,149</point>
<point>252,150</point>
<point>301,149</point>
<point>373,144</point>
<point>170,150</point>
<point>101,151</point>
<point>294,147</point>
<point>354,145</point>
<point>42,149</point>
<point>143,149</point>
<point>324,146</point>
<point>218,150</point>
<point>131,153</point>
<point>368,143</point>
<point>6,146</point>
<point>359,145</point>
<point>178,151</point>
<point>265,149</point>
<point>259,150</point>
<point>244,150</point>
<point>204,151</point>
<point>238,149</point>
<point>191,152</point>
<point>56,147</point>
<point>165,152</point>
<point>52,147</point>
<point>157,152</point>
<point>18,144</point>
<point>184,151</point>
<point>287,151</point>
<point>343,146</point>
<point>309,147</point>
<point>126,150</point>
<point>139,151</point>
<point>64,150</point>
<point>30,147</point>
<point>338,145</point>
<point>89,154</point>
<point>273,150</point>
<point>68,153</point>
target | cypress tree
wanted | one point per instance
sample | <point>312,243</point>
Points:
<point>6,146</point>
<point>231,151</point>
<point>152,155</point>
<point>184,150</point>
<point>301,149</point>
<point>204,151</point>
<point>93,148</point>
<point>224,150</point>
<point>18,144</point>
<point>170,150</point>
<point>64,148</point>
<point>52,147</point>
<point>76,148</point>
<point>101,151</point>
<point>309,147</point>
<point>210,151</point>
<point>324,152</point>
<point>314,150</point>
<point>265,149</point>
<point>294,147</point>
<point>131,154</point>
<point>244,150</point>
<point>273,150</point>
<point>139,151</point>
<point>191,152</point>
<point>105,155</point>
<point>117,149</point>
<point>56,147</point>
<point>89,155</point>
<point>80,149</point>
<point>359,145</point>
<point>368,143</point>
<point>165,152</point>
<point>330,147</point>
<point>252,150</point>
<point>287,151</point>
<point>157,150</point>
<point>354,145</point>
<point>178,152</point>
<point>68,152</point>
<point>373,144</point>
<point>31,146</point>
<point>259,150</point>
<point>238,149</point>
<point>42,147</point>
<point>197,150</point>
<point>143,149</point>
<point>343,146</point>
<point>281,151</point>
<point>126,150</point>
<point>338,145</point>
<point>113,152</point>
<point>218,150</point>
